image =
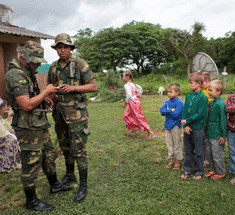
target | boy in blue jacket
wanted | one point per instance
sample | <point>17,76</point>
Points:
<point>172,110</point>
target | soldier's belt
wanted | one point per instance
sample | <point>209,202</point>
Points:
<point>67,97</point>
<point>39,110</point>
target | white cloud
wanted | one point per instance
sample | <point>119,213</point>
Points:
<point>57,16</point>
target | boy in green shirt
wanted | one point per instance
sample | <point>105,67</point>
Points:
<point>216,131</point>
<point>193,121</point>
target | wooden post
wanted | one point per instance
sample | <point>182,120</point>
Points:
<point>225,78</point>
<point>188,70</point>
<point>165,78</point>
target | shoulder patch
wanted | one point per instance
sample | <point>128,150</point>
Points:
<point>85,68</point>
<point>22,81</point>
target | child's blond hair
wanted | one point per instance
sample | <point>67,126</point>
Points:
<point>129,74</point>
<point>197,77</point>
<point>206,76</point>
<point>218,85</point>
<point>175,87</point>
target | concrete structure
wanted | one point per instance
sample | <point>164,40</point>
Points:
<point>12,36</point>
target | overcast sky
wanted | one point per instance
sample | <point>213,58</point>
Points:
<point>57,16</point>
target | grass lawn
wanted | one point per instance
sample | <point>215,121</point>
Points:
<point>126,174</point>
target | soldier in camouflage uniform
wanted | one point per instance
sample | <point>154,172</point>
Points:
<point>30,123</point>
<point>74,78</point>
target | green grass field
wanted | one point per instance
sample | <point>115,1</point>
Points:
<point>126,174</point>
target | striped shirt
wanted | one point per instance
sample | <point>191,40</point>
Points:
<point>230,109</point>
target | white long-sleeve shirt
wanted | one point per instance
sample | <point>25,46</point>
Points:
<point>128,91</point>
<point>5,128</point>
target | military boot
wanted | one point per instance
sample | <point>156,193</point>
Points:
<point>33,203</point>
<point>56,186</point>
<point>69,177</point>
<point>82,191</point>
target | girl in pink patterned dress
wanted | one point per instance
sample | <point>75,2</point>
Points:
<point>133,116</point>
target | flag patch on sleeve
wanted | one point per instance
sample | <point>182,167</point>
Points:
<point>22,82</point>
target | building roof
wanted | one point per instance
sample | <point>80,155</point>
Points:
<point>19,31</point>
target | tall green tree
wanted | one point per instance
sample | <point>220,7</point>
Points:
<point>136,44</point>
<point>145,45</point>
<point>87,48</point>
<point>225,51</point>
<point>187,44</point>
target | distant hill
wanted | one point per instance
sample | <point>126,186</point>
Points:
<point>44,68</point>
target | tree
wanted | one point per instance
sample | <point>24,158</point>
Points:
<point>136,43</point>
<point>187,44</point>
<point>225,51</point>
<point>145,45</point>
<point>86,43</point>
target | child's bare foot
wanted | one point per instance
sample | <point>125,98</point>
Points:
<point>209,174</point>
<point>151,137</point>
<point>185,176</point>
<point>232,181</point>
<point>177,165</point>
<point>132,133</point>
<point>217,176</point>
<point>170,164</point>
<point>18,166</point>
<point>206,163</point>
<point>197,178</point>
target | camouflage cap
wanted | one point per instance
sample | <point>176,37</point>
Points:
<point>32,52</point>
<point>65,39</point>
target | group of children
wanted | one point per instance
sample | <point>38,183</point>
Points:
<point>205,126</point>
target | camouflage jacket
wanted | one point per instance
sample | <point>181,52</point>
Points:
<point>76,72</point>
<point>19,83</point>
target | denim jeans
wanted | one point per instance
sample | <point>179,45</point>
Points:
<point>231,148</point>
<point>194,153</point>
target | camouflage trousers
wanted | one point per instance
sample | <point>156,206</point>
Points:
<point>72,139</point>
<point>35,156</point>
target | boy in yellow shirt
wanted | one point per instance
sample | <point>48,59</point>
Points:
<point>206,82</point>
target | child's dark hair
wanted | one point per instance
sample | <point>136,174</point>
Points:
<point>206,76</point>
<point>129,74</point>
<point>175,87</point>
<point>197,77</point>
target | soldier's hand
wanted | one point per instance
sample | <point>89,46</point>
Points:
<point>53,97</point>
<point>50,89</point>
<point>65,88</point>
<point>49,102</point>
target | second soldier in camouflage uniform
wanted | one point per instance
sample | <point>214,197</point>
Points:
<point>30,123</point>
<point>74,78</point>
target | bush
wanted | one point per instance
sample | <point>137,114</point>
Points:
<point>107,95</point>
<point>111,79</point>
<point>150,84</point>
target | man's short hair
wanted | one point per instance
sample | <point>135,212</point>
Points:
<point>206,76</point>
<point>175,87</point>
<point>218,85</point>
<point>197,77</point>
